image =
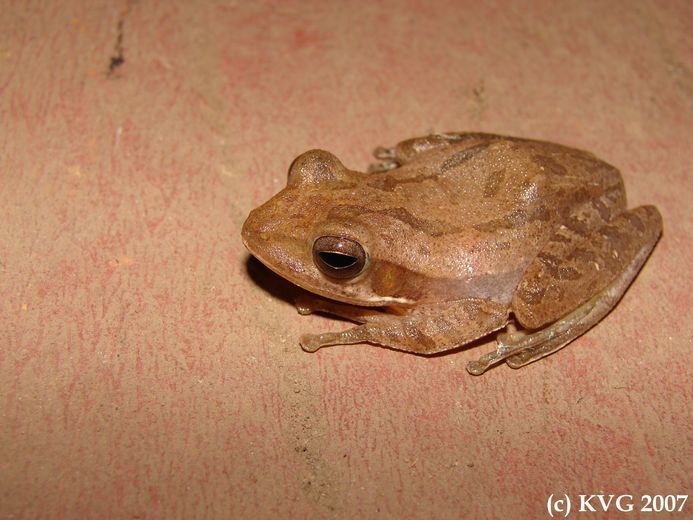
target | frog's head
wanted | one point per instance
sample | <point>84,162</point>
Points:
<point>316,234</point>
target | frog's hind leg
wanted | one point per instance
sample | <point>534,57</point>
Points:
<point>398,155</point>
<point>603,264</point>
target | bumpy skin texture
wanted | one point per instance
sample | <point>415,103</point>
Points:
<point>461,232</point>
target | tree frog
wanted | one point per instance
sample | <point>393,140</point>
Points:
<point>450,237</point>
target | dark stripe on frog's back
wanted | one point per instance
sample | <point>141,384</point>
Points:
<point>457,159</point>
<point>434,228</point>
<point>452,164</point>
<point>576,164</point>
<point>493,183</point>
<point>501,213</point>
<point>515,219</point>
<point>552,170</point>
<point>390,180</point>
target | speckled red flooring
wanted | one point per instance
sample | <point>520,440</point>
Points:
<point>147,370</point>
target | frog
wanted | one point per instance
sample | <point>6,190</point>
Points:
<point>449,238</point>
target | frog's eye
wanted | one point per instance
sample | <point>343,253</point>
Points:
<point>339,257</point>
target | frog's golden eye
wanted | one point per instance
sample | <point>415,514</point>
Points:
<point>339,257</point>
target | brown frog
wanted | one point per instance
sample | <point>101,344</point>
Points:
<point>453,236</point>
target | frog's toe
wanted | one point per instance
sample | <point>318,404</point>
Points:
<point>507,340</point>
<point>383,153</point>
<point>506,346</point>
<point>304,305</point>
<point>476,368</point>
<point>383,166</point>
<point>311,342</point>
<point>387,159</point>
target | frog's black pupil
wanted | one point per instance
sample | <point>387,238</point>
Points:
<point>337,260</point>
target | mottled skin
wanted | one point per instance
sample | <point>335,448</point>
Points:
<point>463,234</point>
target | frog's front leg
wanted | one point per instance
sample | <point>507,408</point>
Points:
<point>393,157</point>
<point>426,329</point>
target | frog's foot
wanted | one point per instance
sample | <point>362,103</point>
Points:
<point>387,160</point>
<point>405,151</point>
<point>305,304</point>
<point>382,166</point>
<point>384,154</point>
<point>520,345</point>
<point>482,364</point>
<point>312,342</point>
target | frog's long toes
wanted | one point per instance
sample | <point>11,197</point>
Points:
<point>310,342</point>
<point>507,340</point>
<point>304,309</point>
<point>476,368</point>
<point>519,360</point>
<point>383,153</point>
<point>489,359</point>
<point>383,166</point>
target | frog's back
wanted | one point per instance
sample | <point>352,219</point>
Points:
<point>476,212</point>
<point>485,181</point>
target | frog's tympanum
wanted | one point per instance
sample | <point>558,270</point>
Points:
<point>453,236</point>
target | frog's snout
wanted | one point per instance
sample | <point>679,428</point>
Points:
<point>252,230</point>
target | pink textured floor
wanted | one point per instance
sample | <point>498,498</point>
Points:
<point>148,370</point>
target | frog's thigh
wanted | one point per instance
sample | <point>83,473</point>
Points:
<point>574,267</point>
<point>602,265</point>
<point>426,330</point>
<point>404,151</point>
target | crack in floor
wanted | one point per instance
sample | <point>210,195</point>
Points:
<point>118,57</point>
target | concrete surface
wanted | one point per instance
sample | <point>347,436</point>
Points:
<point>148,370</point>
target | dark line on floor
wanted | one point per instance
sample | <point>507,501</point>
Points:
<point>118,57</point>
